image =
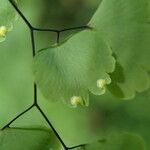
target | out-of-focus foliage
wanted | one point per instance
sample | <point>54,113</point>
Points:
<point>104,116</point>
<point>124,141</point>
<point>129,116</point>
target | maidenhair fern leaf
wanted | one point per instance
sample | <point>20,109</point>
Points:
<point>126,24</point>
<point>28,139</point>
<point>7,16</point>
<point>70,70</point>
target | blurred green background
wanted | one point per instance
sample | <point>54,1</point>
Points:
<point>105,114</point>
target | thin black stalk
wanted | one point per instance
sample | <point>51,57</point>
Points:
<point>58,37</point>
<point>33,42</point>
<point>33,53</point>
<point>35,94</point>
<point>38,29</point>
<point>45,30</point>
<point>32,29</point>
<point>82,145</point>
<point>14,119</point>
<point>63,30</point>
<point>51,126</point>
<point>75,28</point>
<point>21,14</point>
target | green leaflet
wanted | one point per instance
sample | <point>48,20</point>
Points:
<point>7,16</point>
<point>28,139</point>
<point>124,141</point>
<point>68,71</point>
<point>126,26</point>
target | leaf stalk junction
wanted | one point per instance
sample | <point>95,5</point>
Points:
<point>35,101</point>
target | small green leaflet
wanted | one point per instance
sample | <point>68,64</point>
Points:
<point>28,139</point>
<point>70,70</point>
<point>126,24</point>
<point>7,17</point>
<point>124,141</point>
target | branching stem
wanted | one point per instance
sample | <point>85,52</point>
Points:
<point>35,101</point>
<point>62,30</point>
<point>18,116</point>
<point>51,126</point>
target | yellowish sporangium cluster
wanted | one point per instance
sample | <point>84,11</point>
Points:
<point>75,101</point>
<point>101,84</point>
<point>3,31</point>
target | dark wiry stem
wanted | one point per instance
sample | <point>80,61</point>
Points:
<point>51,126</point>
<point>75,28</point>
<point>35,103</point>
<point>82,145</point>
<point>45,30</point>
<point>14,119</point>
<point>63,30</point>
<point>58,37</point>
<point>21,14</point>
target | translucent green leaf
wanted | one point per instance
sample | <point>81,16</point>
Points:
<point>126,26</point>
<point>68,71</point>
<point>124,141</point>
<point>28,139</point>
<point>7,16</point>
